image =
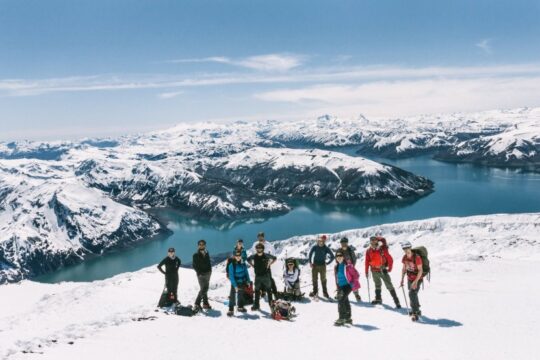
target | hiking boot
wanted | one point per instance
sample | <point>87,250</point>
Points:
<point>340,322</point>
<point>396,299</point>
<point>357,296</point>
<point>378,298</point>
<point>242,309</point>
<point>230,313</point>
<point>255,308</point>
<point>207,307</point>
<point>348,321</point>
<point>196,308</point>
<point>313,293</point>
<point>325,294</point>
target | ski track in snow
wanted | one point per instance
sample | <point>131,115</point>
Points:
<point>481,266</point>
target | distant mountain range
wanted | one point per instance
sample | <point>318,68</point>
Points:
<point>63,201</point>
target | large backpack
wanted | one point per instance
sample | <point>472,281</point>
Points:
<point>282,310</point>
<point>423,253</point>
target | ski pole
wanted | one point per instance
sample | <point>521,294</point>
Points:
<point>368,291</point>
<point>405,297</point>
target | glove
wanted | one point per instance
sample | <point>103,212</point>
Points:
<point>385,271</point>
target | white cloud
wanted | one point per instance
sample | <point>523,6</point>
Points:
<point>353,74</point>
<point>268,62</point>
<point>170,95</point>
<point>485,46</point>
<point>410,97</point>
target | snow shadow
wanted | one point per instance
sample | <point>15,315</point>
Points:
<point>445,323</point>
<point>248,317</point>
<point>213,313</point>
<point>366,327</point>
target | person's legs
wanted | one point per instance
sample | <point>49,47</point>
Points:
<point>413,296</point>
<point>171,281</point>
<point>344,306</point>
<point>232,298</point>
<point>314,279</point>
<point>296,288</point>
<point>258,288</point>
<point>204,284</point>
<point>378,286</point>
<point>241,290</point>
<point>268,284</point>
<point>323,280</point>
<point>388,283</point>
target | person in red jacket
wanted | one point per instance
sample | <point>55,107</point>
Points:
<point>379,260</point>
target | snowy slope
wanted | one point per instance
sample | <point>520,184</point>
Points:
<point>49,219</point>
<point>480,266</point>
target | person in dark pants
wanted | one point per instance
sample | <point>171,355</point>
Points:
<point>261,263</point>
<point>349,255</point>
<point>317,260</point>
<point>268,249</point>
<point>344,289</point>
<point>239,278</point>
<point>412,267</point>
<point>172,264</point>
<point>203,268</point>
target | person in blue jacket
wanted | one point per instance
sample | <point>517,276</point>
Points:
<point>344,289</point>
<point>239,277</point>
<point>318,261</point>
<point>240,247</point>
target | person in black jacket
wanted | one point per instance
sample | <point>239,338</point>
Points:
<point>172,264</point>
<point>203,268</point>
<point>261,263</point>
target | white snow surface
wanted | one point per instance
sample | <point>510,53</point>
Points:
<point>480,304</point>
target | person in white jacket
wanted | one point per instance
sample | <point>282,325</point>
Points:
<point>291,278</point>
<point>268,247</point>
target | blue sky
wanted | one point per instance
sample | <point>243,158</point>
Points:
<point>95,68</point>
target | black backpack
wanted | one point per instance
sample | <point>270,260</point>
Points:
<point>423,253</point>
<point>184,310</point>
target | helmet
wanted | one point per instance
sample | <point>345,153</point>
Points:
<point>406,244</point>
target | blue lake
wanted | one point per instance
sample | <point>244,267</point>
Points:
<point>460,190</point>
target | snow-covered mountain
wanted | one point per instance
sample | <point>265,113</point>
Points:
<point>226,171</point>
<point>57,210</point>
<point>495,138</point>
<point>49,218</point>
<point>481,266</point>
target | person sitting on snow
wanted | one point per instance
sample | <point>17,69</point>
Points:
<point>291,278</point>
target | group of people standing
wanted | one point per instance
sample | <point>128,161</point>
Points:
<point>378,262</point>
